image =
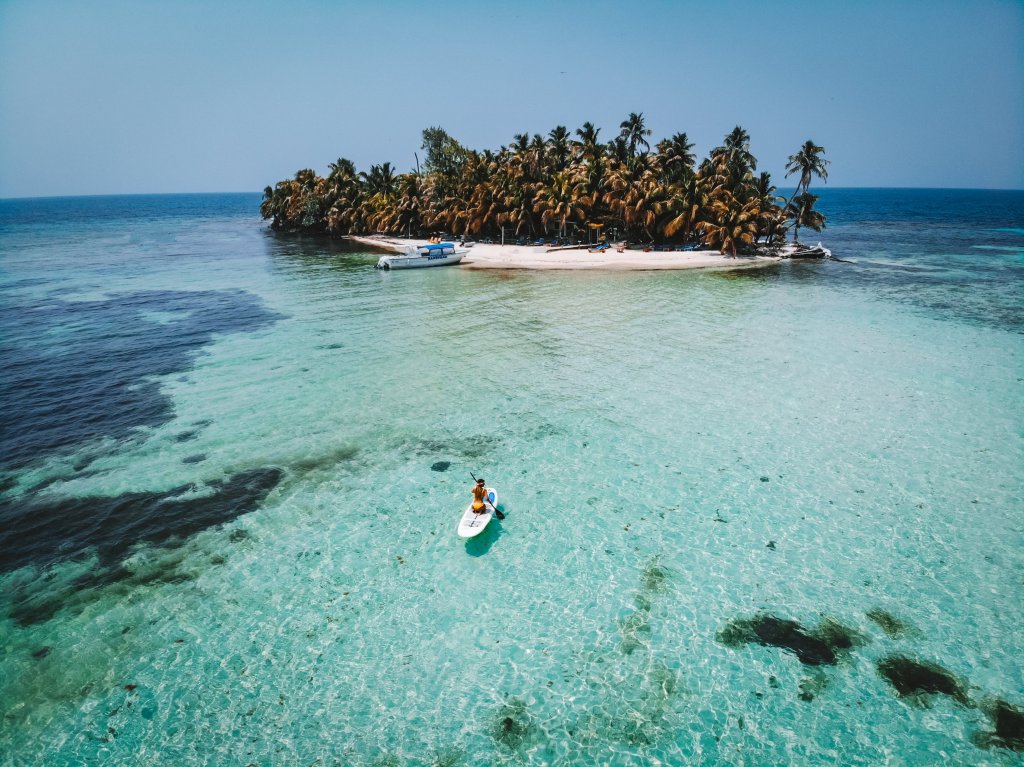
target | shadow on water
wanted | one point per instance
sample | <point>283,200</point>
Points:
<point>481,544</point>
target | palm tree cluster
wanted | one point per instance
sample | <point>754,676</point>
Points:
<point>540,187</point>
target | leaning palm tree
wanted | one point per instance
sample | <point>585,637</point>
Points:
<point>801,210</point>
<point>809,162</point>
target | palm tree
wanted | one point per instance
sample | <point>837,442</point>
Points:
<point>772,216</point>
<point>676,158</point>
<point>809,162</point>
<point>685,205</point>
<point>634,195</point>
<point>737,144</point>
<point>558,148</point>
<point>588,144</point>
<point>801,210</point>
<point>559,201</point>
<point>731,223</point>
<point>732,165</point>
<point>407,213</point>
<point>634,132</point>
<point>344,197</point>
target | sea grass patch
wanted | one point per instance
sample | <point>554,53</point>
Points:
<point>1008,726</point>
<point>634,627</point>
<point>893,627</point>
<point>448,757</point>
<point>655,576</point>
<point>512,724</point>
<point>838,636</point>
<point>812,686</point>
<point>917,681</point>
<point>821,647</point>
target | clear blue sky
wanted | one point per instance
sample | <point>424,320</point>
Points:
<point>103,96</point>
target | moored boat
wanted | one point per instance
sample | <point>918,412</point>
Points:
<point>804,251</point>
<point>433,254</point>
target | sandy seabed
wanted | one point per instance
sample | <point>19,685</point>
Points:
<point>483,256</point>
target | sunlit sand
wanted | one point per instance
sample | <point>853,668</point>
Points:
<point>484,256</point>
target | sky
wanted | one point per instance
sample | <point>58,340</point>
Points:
<point>124,97</point>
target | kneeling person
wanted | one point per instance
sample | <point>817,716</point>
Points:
<point>479,496</point>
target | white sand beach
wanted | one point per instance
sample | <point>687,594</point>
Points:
<point>483,256</point>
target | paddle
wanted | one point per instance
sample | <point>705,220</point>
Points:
<point>497,513</point>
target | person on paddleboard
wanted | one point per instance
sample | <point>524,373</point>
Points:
<point>479,495</point>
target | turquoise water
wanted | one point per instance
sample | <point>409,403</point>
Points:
<point>242,550</point>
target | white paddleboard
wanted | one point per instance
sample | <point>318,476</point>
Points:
<point>472,523</point>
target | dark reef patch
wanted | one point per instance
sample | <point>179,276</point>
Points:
<point>893,627</point>
<point>47,530</point>
<point>1009,726</point>
<point>915,680</point>
<point>821,647</point>
<point>512,725</point>
<point>440,465</point>
<point>77,371</point>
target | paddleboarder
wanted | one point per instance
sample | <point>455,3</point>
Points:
<point>479,495</point>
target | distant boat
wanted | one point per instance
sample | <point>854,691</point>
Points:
<point>434,254</point>
<point>804,251</point>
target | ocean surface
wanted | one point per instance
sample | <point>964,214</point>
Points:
<point>760,517</point>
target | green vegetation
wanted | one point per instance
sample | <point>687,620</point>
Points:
<point>576,188</point>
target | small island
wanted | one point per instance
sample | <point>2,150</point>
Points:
<point>567,201</point>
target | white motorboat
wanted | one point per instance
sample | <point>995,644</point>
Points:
<point>804,251</point>
<point>433,254</point>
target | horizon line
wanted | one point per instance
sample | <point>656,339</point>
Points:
<point>260,192</point>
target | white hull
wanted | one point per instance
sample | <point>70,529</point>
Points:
<point>417,261</point>
<point>805,251</point>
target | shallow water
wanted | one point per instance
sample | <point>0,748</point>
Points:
<point>223,540</point>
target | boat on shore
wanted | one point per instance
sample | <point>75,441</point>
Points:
<point>798,250</point>
<point>418,256</point>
